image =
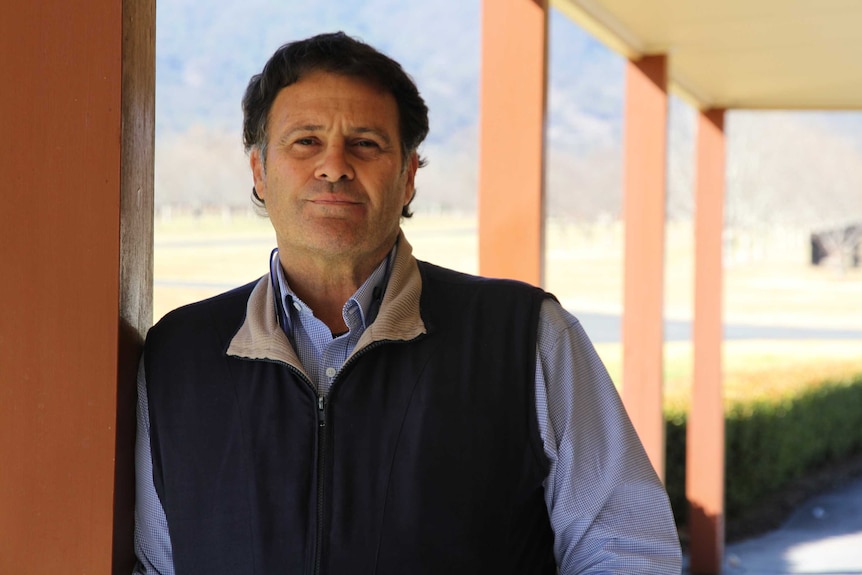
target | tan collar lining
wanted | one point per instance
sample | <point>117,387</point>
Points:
<point>260,336</point>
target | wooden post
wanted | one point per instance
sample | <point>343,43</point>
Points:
<point>705,431</point>
<point>76,165</point>
<point>511,138</point>
<point>645,149</point>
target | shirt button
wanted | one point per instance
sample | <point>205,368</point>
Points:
<point>297,306</point>
<point>330,372</point>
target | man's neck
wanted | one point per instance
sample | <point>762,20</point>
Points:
<point>325,286</point>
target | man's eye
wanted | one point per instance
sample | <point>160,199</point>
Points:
<point>367,144</point>
<point>305,141</point>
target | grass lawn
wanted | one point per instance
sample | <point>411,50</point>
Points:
<point>753,369</point>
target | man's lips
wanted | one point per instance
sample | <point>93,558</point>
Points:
<point>334,202</point>
<point>333,205</point>
<point>340,195</point>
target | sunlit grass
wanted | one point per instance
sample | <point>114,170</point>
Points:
<point>752,369</point>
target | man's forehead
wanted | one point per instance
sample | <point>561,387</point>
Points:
<point>314,97</point>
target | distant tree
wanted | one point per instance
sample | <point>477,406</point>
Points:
<point>787,169</point>
<point>201,168</point>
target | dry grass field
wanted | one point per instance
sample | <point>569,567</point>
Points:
<point>767,281</point>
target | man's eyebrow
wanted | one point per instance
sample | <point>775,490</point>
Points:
<point>303,128</point>
<point>359,130</point>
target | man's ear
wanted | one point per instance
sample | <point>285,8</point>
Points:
<point>410,180</point>
<point>258,171</point>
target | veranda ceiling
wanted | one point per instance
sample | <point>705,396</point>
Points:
<point>757,54</point>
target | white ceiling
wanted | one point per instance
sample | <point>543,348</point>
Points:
<point>758,54</point>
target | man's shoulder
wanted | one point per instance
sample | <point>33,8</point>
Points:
<point>459,294</point>
<point>227,308</point>
<point>434,273</point>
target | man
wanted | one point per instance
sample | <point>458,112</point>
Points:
<point>358,411</point>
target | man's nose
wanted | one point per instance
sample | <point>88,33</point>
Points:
<point>335,165</point>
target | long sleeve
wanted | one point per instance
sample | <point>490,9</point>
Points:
<point>608,509</point>
<point>152,540</point>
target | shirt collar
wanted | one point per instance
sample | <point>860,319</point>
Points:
<point>367,298</point>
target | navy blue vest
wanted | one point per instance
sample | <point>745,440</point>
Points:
<point>426,458</point>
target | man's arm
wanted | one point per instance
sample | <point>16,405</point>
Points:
<point>608,509</point>
<point>152,540</point>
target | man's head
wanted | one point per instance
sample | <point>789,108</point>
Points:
<point>341,55</point>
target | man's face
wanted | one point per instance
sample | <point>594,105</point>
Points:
<point>333,179</point>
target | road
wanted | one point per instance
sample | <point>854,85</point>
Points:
<point>605,328</point>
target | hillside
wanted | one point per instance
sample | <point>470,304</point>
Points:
<point>206,51</point>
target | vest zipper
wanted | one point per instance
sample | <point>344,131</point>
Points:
<point>321,451</point>
<point>321,413</point>
<point>322,436</point>
<point>321,455</point>
<point>321,466</point>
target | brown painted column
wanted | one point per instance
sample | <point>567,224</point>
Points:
<point>705,431</point>
<point>511,138</point>
<point>76,166</point>
<point>645,151</point>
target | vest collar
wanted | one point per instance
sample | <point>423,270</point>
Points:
<point>261,338</point>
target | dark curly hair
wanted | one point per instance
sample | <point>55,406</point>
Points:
<point>337,53</point>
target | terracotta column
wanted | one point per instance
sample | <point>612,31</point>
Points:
<point>511,138</point>
<point>645,151</point>
<point>705,431</point>
<point>76,168</point>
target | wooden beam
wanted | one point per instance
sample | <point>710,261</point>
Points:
<point>645,151</point>
<point>76,244</point>
<point>511,138</point>
<point>705,429</point>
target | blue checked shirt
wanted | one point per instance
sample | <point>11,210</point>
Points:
<point>608,510</point>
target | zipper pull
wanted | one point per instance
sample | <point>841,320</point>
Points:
<point>321,404</point>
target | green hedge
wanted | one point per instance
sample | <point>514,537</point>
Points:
<point>769,443</point>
